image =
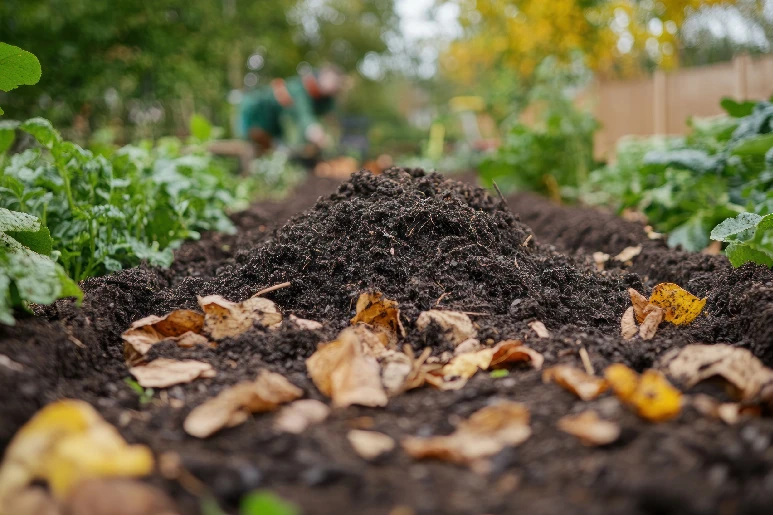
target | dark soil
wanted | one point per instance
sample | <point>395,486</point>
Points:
<point>423,241</point>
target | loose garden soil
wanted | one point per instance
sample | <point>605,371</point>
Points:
<point>425,241</point>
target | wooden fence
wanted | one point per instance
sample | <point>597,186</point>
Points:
<point>662,103</point>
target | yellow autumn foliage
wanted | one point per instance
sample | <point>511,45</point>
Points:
<point>65,443</point>
<point>650,395</point>
<point>519,34</point>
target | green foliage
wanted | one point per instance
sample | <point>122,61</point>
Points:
<point>687,186</point>
<point>265,503</point>
<point>28,271</point>
<point>139,65</point>
<point>552,156</point>
<point>145,394</point>
<point>107,213</point>
<point>200,128</point>
<point>500,373</point>
<point>750,238</point>
<point>17,68</point>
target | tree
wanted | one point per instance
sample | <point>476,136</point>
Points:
<point>614,37</point>
<point>141,62</point>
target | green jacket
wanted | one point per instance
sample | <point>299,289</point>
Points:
<point>266,107</point>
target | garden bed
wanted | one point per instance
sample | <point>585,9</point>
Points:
<point>426,242</point>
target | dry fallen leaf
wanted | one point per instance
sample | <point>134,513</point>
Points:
<point>628,324</point>
<point>589,428</point>
<point>651,322</point>
<point>739,367</point>
<point>64,443</point>
<point>224,319</point>
<point>650,394</point>
<point>628,253</point>
<point>728,412</point>
<point>298,415</point>
<point>234,405</point>
<point>681,307</point>
<point>485,433</point>
<point>118,497</point>
<point>302,323</point>
<point>467,365</point>
<point>343,371</point>
<point>512,351</point>
<point>468,345</point>
<point>396,367</point>
<point>600,258</point>
<point>584,386</point>
<point>381,313</point>
<point>34,500</point>
<point>163,372</point>
<point>639,303</point>
<point>370,444</point>
<point>456,326</point>
<point>182,325</point>
<point>539,328</point>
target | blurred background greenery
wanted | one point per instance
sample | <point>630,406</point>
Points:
<point>123,71</point>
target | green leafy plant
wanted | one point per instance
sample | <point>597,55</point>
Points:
<point>265,503</point>
<point>554,155</point>
<point>17,68</point>
<point>749,237</point>
<point>107,213</point>
<point>27,271</point>
<point>688,185</point>
<point>145,395</point>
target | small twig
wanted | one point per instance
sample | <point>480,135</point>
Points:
<point>586,361</point>
<point>476,313</point>
<point>272,288</point>
<point>441,298</point>
<point>515,262</point>
<point>527,240</point>
<point>501,197</point>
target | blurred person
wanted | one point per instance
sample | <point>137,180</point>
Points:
<point>303,100</point>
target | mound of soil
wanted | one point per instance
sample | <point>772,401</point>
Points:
<point>424,241</point>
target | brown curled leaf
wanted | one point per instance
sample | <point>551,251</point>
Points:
<point>651,322</point>
<point>584,386</point>
<point>639,303</point>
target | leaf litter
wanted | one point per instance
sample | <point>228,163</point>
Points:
<point>234,405</point>
<point>485,433</point>
<point>533,283</point>
<point>65,443</point>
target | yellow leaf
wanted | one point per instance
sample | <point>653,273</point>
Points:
<point>681,306</point>
<point>650,394</point>
<point>622,380</point>
<point>65,443</point>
